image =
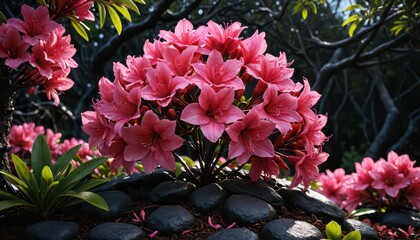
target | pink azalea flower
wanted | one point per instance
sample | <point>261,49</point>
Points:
<point>36,25</point>
<point>53,140</point>
<point>223,39</point>
<point>279,108</point>
<point>312,134</point>
<point>79,8</point>
<point>184,35</point>
<point>116,151</point>
<point>124,107</point>
<point>266,166</point>
<point>180,62</point>
<point>152,142</point>
<point>53,54</point>
<point>386,177</point>
<point>253,47</point>
<point>217,73</point>
<point>306,100</point>
<point>363,170</point>
<point>98,129</point>
<point>354,199</point>
<point>21,137</point>
<point>135,73</point>
<point>85,153</point>
<point>249,137</point>
<point>57,84</point>
<point>154,51</point>
<point>332,185</point>
<point>413,193</point>
<point>13,49</point>
<point>272,71</point>
<point>161,85</point>
<point>106,89</point>
<point>306,168</point>
<point>212,112</point>
<point>403,162</point>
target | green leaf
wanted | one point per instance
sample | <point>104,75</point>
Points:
<point>80,29</point>
<point>3,18</point>
<point>130,4</point>
<point>115,19</point>
<point>352,28</point>
<point>102,14</point>
<point>297,8</point>
<point>333,230</point>
<point>14,180</point>
<point>354,235</point>
<point>352,7</point>
<point>140,1</point>
<point>178,169</point>
<point>89,184</point>
<point>6,195</point>
<point>312,6</point>
<point>40,156</point>
<point>64,160</point>
<point>24,173</point>
<point>89,197</point>
<point>12,203</point>
<point>123,12</point>
<point>79,173</point>
<point>351,19</point>
<point>42,2</point>
<point>304,13</point>
<point>47,174</point>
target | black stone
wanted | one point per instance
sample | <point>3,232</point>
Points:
<point>171,192</point>
<point>118,203</point>
<point>259,189</point>
<point>234,234</point>
<point>313,202</point>
<point>366,231</point>
<point>170,219</point>
<point>401,219</point>
<point>51,230</point>
<point>289,229</point>
<point>246,210</point>
<point>208,198</point>
<point>138,180</point>
<point>116,231</point>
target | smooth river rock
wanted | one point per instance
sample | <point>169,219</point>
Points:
<point>116,231</point>
<point>170,219</point>
<point>289,229</point>
<point>51,230</point>
<point>171,192</point>
<point>208,197</point>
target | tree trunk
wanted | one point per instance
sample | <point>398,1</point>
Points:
<point>6,117</point>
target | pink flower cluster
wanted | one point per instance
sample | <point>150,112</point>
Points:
<point>22,137</point>
<point>38,50</point>
<point>385,183</point>
<point>208,86</point>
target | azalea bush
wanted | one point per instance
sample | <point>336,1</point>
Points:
<point>215,92</point>
<point>392,184</point>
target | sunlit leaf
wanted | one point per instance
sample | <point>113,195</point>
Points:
<point>333,230</point>
<point>89,197</point>
<point>312,6</point>
<point>123,12</point>
<point>351,19</point>
<point>354,235</point>
<point>140,1</point>
<point>304,13</point>
<point>102,14</point>
<point>130,4</point>
<point>80,29</point>
<point>297,8</point>
<point>352,7</point>
<point>353,28</point>
<point>115,19</point>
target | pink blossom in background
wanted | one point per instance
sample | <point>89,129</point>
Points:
<point>53,140</point>
<point>21,137</point>
<point>403,162</point>
<point>279,108</point>
<point>13,49</point>
<point>332,185</point>
<point>354,199</point>
<point>386,177</point>
<point>152,142</point>
<point>36,25</point>
<point>66,8</point>
<point>212,112</point>
<point>217,73</point>
<point>306,168</point>
<point>363,169</point>
<point>249,137</point>
<point>413,193</point>
<point>85,152</point>
<point>161,85</point>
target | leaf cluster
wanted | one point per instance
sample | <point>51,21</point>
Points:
<point>48,186</point>
<point>333,232</point>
